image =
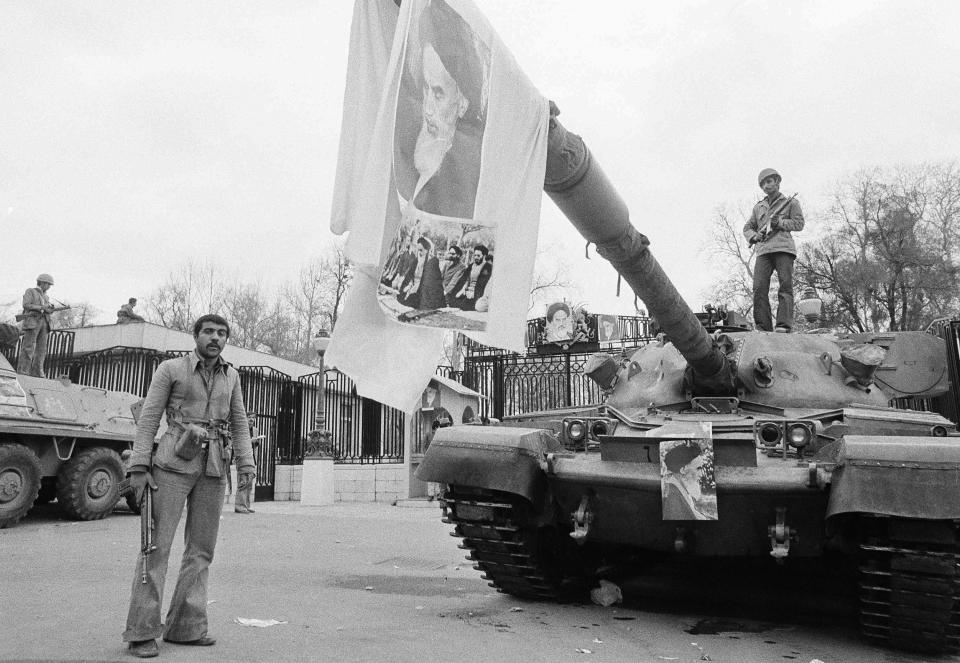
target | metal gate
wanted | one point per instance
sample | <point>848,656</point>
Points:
<point>516,384</point>
<point>362,430</point>
<point>268,393</point>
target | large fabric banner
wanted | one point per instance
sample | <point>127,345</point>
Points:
<point>439,183</point>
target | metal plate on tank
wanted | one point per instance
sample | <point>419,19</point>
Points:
<point>54,404</point>
<point>915,363</point>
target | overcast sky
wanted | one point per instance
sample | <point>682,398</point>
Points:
<point>135,136</point>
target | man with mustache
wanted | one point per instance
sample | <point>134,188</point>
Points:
<point>451,270</point>
<point>201,398</point>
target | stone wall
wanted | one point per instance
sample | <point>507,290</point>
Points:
<point>371,483</point>
<point>352,483</point>
<point>286,487</point>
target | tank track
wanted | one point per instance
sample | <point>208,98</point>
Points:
<point>910,586</point>
<point>515,555</point>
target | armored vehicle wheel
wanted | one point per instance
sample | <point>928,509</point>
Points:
<point>519,553</point>
<point>48,491</point>
<point>910,584</point>
<point>19,482</point>
<point>88,486</point>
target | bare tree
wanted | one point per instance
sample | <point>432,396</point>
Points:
<point>888,260</point>
<point>315,299</point>
<point>336,273</point>
<point>189,292</point>
<point>727,250</point>
<point>549,277</point>
<point>80,314</point>
<point>251,314</point>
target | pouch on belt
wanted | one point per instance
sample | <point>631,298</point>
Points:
<point>190,442</point>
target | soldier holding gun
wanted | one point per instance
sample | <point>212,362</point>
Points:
<point>36,326</point>
<point>769,229</point>
<point>206,419</point>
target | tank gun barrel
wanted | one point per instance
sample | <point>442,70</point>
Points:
<point>579,187</point>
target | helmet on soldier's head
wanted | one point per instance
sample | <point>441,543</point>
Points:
<point>45,278</point>
<point>765,173</point>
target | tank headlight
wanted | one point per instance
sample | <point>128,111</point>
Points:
<point>799,435</point>
<point>576,431</point>
<point>599,428</point>
<point>770,434</point>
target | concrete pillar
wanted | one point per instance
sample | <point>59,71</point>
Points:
<point>316,486</point>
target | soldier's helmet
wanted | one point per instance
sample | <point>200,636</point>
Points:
<point>765,173</point>
<point>45,278</point>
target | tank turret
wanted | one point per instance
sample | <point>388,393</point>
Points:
<point>800,371</point>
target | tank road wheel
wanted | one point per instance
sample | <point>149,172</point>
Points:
<point>910,584</point>
<point>19,482</point>
<point>518,555</point>
<point>88,486</point>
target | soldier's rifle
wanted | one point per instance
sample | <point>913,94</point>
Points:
<point>56,309</point>
<point>764,230</point>
<point>147,545</point>
<point>147,525</point>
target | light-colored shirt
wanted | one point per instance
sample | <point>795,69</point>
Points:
<point>179,389</point>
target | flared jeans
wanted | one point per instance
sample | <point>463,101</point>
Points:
<point>187,615</point>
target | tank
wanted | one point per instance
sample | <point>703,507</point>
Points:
<point>719,442</point>
<point>61,441</point>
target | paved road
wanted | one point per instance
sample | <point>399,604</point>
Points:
<point>372,582</point>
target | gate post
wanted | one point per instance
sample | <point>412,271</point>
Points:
<point>498,387</point>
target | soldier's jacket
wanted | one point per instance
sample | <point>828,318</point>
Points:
<point>32,317</point>
<point>180,390</point>
<point>791,219</point>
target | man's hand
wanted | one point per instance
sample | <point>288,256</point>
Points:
<point>755,238</point>
<point>245,479</point>
<point>775,223</point>
<point>138,482</point>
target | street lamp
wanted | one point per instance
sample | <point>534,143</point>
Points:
<point>317,481</point>
<point>318,440</point>
<point>810,306</point>
<point>320,343</point>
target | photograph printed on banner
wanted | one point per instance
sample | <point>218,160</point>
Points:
<point>441,114</point>
<point>687,483</point>
<point>437,273</point>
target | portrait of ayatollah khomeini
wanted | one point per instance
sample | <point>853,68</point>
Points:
<point>441,114</point>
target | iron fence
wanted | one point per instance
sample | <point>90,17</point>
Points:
<point>363,430</point>
<point>516,384</point>
<point>118,368</point>
<point>59,352</point>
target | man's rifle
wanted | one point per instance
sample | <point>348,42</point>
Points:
<point>764,230</point>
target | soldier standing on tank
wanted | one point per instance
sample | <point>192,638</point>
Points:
<point>201,397</point>
<point>769,229</point>
<point>36,326</point>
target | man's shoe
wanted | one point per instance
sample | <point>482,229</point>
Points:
<point>205,641</point>
<point>144,648</point>
<point>244,510</point>
<point>781,329</point>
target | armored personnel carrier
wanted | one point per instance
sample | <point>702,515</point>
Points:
<point>719,443</point>
<point>61,440</point>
